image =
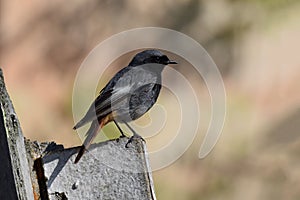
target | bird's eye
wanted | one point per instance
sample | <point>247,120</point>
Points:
<point>157,58</point>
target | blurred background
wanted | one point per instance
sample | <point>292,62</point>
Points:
<point>255,44</point>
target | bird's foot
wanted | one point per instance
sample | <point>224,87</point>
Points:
<point>121,136</point>
<point>134,137</point>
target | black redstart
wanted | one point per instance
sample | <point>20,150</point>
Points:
<point>127,96</point>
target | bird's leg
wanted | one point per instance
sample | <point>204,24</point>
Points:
<point>121,131</point>
<point>135,135</point>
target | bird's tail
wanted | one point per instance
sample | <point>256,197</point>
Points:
<point>80,153</point>
<point>91,134</point>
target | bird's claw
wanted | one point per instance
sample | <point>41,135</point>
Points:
<point>121,136</point>
<point>134,137</point>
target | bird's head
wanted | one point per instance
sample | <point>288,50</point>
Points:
<point>152,56</point>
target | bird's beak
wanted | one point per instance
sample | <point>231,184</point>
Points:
<point>170,62</point>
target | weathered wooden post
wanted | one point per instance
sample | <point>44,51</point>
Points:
<point>32,170</point>
<point>15,180</point>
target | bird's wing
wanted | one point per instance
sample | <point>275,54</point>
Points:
<point>119,88</point>
<point>109,99</point>
<point>104,103</point>
<point>126,83</point>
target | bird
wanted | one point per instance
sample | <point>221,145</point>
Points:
<point>129,94</point>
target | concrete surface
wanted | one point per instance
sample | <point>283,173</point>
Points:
<point>107,171</point>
